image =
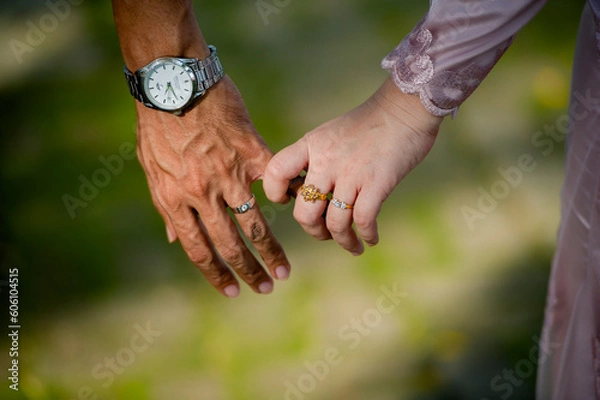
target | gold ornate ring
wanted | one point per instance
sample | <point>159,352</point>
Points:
<point>311,193</point>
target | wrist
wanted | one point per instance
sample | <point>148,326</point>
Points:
<point>201,111</point>
<point>137,59</point>
<point>406,107</point>
<point>163,30</point>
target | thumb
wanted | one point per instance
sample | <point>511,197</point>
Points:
<point>283,167</point>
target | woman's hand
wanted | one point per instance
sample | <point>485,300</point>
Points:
<point>360,157</point>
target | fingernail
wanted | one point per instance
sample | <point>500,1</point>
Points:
<point>232,291</point>
<point>170,235</point>
<point>282,273</point>
<point>373,242</point>
<point>265,287</point>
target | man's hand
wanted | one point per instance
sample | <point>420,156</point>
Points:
<point>200,162</point>
<point>360,157</point>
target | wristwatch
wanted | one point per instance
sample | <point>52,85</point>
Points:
<point>172,83</point>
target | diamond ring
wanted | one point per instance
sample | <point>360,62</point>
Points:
<point>341,204</point>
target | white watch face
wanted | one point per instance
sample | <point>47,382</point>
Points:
<point>169,85</point>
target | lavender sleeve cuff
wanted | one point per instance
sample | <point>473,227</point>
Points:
<point>454,47</point>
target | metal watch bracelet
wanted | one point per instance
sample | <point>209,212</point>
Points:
<point>207,71</point>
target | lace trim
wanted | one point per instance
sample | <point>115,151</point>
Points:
<point>442,93</point>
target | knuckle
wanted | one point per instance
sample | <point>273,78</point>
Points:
<point>218,277</point>
<point>257,232</point>
<point>248,271</point>
<point>197,188</point>
<point>362,220</point>
<point>232,255</point>
<point>202,258</point>
<point>253,276</point>
<point>170,201</point>
<point>275,168</point>
<point>336,228</point>
<point>320,160</point>
<point>304,218</point>
<point>216,274</point>
<point>321,163</point>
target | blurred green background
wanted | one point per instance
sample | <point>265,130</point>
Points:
<point>472,299</point>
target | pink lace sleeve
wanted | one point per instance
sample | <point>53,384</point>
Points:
<point>445,58</point>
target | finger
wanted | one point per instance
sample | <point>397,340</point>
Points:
<point>262,157</point>
<point>367,207</point>
<point>196,244</point>
<point>171,233</point>
<point>308,213</point>
<point>151,175</point>
<point>257,230</point>
<point>284,166</point>
<point>339,221</point>
<point>231,247</point>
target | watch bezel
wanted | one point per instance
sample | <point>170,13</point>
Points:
<point>184,63</point>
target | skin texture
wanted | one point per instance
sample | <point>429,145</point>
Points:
<point>360,157</point>
<point>200,162</point>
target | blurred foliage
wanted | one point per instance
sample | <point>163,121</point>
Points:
<point>474,298</point>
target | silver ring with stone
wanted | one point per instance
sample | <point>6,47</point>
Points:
<point>244,208</point>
